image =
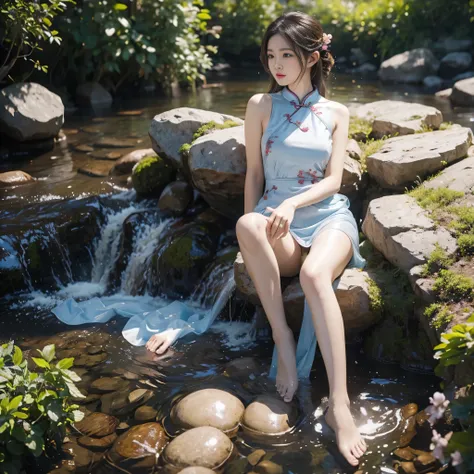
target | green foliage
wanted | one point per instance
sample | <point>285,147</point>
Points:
<point>35,407</point>
<point>151,175</point>
<point>465,218</point>
<point>466,244</point>
<point>211,126</point>
<point>450,286</point>
<point>359,128</point>
<point>160,40</point>
<point>436,261</point>
<point>383,28</point>
<point>375,297</point>
<point>243,22</point>
<point>24,25</point>
<point>434,199</point>
<point>438,315</point>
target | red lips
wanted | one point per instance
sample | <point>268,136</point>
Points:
<point>280,75</point>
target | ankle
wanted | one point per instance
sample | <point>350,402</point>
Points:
<point>339,400</point>
<point>281,335</point>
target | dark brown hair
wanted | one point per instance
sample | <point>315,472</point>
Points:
<point>305,35</point>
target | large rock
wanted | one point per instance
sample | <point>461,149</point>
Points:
<point>151,175</point>
<point>352,293</point>
<point>14,178</point>
<point>411,66</point>
<point>451,45</point>
<point>457,177</point>
<point>454,63</point>
<point>93,94</point>
<point>29,111</point>
<point>125,164</point>
<point>217,164</point>
<point>204,447</point>
<point>175,198</point>
<point>390,117</point>
<point>403,160</point>
<point>173,128</point>
<point>353,180</point>
<point>463,93</point>
<point>402,231</point>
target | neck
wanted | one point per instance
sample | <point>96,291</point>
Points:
<point>302,89</point>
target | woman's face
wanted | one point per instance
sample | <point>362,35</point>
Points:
<point>282,61</point>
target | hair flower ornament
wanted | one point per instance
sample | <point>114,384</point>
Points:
<point>326,41</point>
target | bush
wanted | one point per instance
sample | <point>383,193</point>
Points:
<point>35,407</point>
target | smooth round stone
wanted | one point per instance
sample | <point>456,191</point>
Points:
<point>196,470</point>
<point>140,395</point>
<point>268,467</point>
<point>97,425</point>
<point>268,415</point>
<point>145,413</point>
<point>100,444</point>
<point>139,445</point>
<point>409,410</point>
<point>108,384</point>
<point>205,446</point>
<point>208,407</point>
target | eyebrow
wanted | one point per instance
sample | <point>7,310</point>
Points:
<point>281,49</point>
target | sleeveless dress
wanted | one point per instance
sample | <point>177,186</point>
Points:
<point>296,148</point>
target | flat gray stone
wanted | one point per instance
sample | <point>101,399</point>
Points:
<point>402,231</point>
<point>457,177</point>
<point>403,160</point>
<point>391,117</point>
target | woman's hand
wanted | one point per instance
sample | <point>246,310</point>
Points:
<point>160,342</point>
<point>278,224</point>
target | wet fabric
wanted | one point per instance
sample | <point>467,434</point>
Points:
<point>296,147</point>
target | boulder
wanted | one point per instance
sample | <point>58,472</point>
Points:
<point>353,180</point>
<point>217,164</point>
<point>392,117</point>
<point>457,177</point>
<point>445,93</point>
<point>451,45</point>
<point>410,66</point>
<point>125,164</point>
<point>29,111</point>
<point>353,149</point>
<point>463,75</point>
<point>175,198</point>
<point>173,128</point>
<point>14,178</point>
<point>151,175</point>
<point>92,94</point>
<point>433,82</point>
<point>352,293</point>
<point>402,231</point>
<point>463,93</point>
<point>403,160</point>
<point>454,63</point>
<point>205,446</point>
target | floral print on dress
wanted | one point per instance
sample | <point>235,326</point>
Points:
<point>265,195</point>
<point>297,123</point>
<point>268,146</point>
<point>311,172</point>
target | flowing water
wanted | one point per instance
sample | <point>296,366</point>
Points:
<point>195,362</point>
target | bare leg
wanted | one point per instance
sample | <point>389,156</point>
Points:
<point>265,261</point>
<point>332,252</point>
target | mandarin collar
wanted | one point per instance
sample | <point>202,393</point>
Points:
<point>308,99</point>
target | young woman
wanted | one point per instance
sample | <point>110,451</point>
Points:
<point>295,144</point>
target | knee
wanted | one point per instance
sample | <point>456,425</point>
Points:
<point>314,279</point>
<point>251,225</point>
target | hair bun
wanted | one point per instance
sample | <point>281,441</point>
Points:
<point>327,62</point>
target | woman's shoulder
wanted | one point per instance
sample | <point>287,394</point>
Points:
<point>335,107</point>
<point>260,104</point>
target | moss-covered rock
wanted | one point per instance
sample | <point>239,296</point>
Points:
<point>451,286</point>
<point>151,175</point>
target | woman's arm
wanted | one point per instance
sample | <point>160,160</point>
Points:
<point>254,177</point>
<point>331,183</point>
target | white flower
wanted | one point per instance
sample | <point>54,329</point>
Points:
<point>437,446</point>
<point>437,408</point>
<point>456,458</point>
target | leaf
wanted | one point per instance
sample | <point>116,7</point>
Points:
<point>74,391</point>
<point>15,403</point>
<point>78,416</point>
<point>17,356</point>
<point>20,414</point>
<point>49,352</point>
<point>65,363</point>
<point>109,31</point>
<point>41,363</point>
<point>204,16</point>
<point>124,22</point>
<point>71,375</point>
<point>120,7</point>
<point>47,21</point>
<point>28,399</point>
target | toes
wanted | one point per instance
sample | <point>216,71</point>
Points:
<point>362,446</point>
<point>356,451</point>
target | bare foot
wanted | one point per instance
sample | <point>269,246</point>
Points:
<point>349,441</point>
<point>287,377</point>
<point>159,343</point>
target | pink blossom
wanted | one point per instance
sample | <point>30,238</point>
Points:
<point>437,408</point>
<point>437,446</point>
<point>456,458</point>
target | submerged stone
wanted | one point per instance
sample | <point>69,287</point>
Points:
<point>204,446</point>
<point>97,425</point>
<point>208,407</point>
